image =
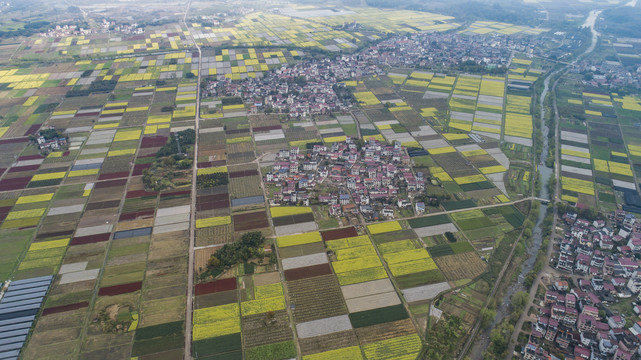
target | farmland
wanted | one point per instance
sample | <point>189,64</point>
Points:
<point>116,237</point>
<point>124,169</point>
<point>597,159</point>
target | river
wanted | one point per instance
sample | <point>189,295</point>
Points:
<point>504,306</point>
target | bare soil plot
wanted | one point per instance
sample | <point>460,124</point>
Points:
<point>266,278</point>
<point>300,250</point>
<point>215,299</point>
<point>461,266</point>
<point>384,331</point>
<point>202,256</point>
<point>162,311</point>
<point>214,235</point>
<point>325,326</point>
<point>339,233</point>
<point>329,342</point>
<point>307,272</point>
<point>250,221</point>
<point>316,298</point>
<point>258,330</point>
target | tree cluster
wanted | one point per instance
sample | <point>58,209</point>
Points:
<point>249,247</point>
<point>28,29</point>
<point>444,338</point>
<point>182,139</point>
<point>211,180</point>
<point>94,87</point>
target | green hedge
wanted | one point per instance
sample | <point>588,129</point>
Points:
<point>150,332</point>
<point>440,250</point>
<point>457,205</point>
<point>378,316</point>
<point>429,221</point>
<point>421,278</point>
<point>158,344</point>
<point>461,247</point>
<point>277,351</point>
<point>217,345</point>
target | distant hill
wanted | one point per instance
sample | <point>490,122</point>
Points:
<point>622,21</point>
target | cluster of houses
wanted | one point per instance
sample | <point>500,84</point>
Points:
<point>66,30</point>
<point>299,90</point>
<point>369,180</point>
<point>610,73</point>
<point>442,50</point>
<point>281,90</point>
<point>575,320</point>
<point>53,144</point>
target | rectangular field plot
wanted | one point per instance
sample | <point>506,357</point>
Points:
<point>316,298</point>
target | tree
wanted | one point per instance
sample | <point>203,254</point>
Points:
<point>450,237</point>
<point>444,338</point>
<point>520,300</point>
<point>486,316</point>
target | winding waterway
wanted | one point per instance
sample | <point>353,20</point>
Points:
<point>504,306</point>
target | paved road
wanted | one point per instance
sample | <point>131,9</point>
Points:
<point>192,227</point>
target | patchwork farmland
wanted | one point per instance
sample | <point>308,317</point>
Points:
<point>599,157</point>
<point>118,158</point>
<point>104,219</point>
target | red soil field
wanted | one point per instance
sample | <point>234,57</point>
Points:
<point>138,168</point>
<point>242,173</point>
<point>137,214</point>
<point>216,286</point>
<point>106,184</point>
<point>120,289</point>
<point>140,193</point>
<point>63,308</point>
<point>30,157</point>
<point>153,141</point>
<point>81,240</point>
<point>24,168</point>
<point>267,128</point>
<point>175,193</point>
<point>250,221</point>
<point>339,233</point>
<point>307,272</point>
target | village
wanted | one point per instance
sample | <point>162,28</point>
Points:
<point>314,86</point>
<point>375,180</point>
<point>594,311</point>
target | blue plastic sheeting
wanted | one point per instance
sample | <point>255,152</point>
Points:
<point>86,167</point>
<point>10,355</point>
<point>16,283</point>
<point>10,299</point>
<point>17,326</point>
<point>248,200</point>
<point>417,152</point>
<point>25,319</point>
<point>18,309</point>
<point>132,233</point>
<point>29,285</point>
<point>12,343</point>
<point>14,333</point>
<point>35,290</point>
<point>15,304</point>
